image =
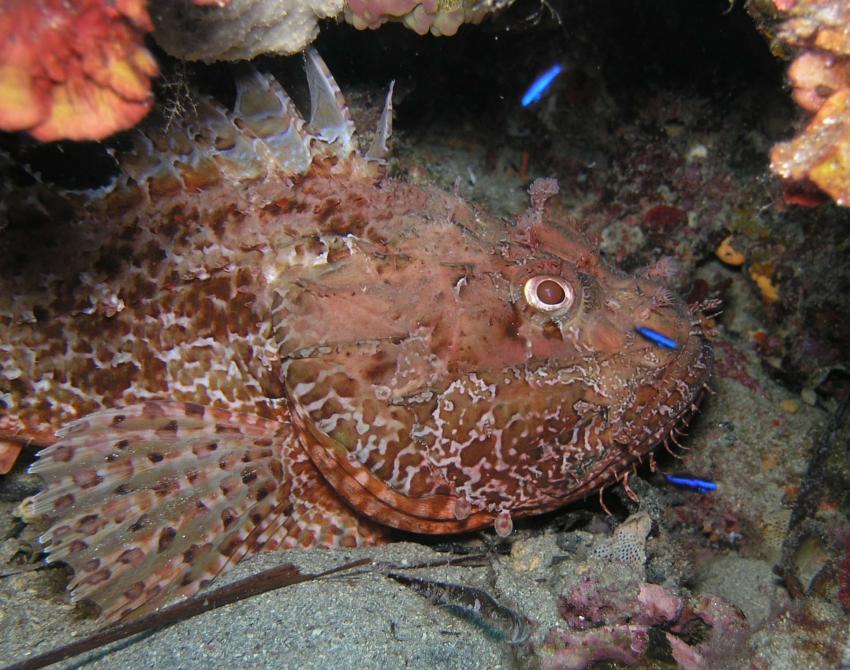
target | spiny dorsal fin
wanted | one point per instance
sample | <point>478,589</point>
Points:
<point>142,162</point>
<point>265,112</point>
<point>179,152</point>
<point>262,136</point>
<point>379,150</point>
<point>329,117</point>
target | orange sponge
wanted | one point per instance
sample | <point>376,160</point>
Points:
<point>74,69</point>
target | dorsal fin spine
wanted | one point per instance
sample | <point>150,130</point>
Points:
<point>330,119</point>
<point>263,135</point>
<point>379,149</point>
<point>264,113</point>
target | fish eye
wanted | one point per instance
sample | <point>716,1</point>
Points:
<point>548,293</point>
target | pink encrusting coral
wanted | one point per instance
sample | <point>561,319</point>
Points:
<point>439,17</point>
<point>818,33</point>
<point>815,77</point>
<point>74,69</point>
<point>215,30</point>
<point>821,153</point>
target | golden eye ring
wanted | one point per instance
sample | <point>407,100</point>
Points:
<point>548,293</point>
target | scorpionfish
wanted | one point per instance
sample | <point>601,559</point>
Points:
<point>255,339</point>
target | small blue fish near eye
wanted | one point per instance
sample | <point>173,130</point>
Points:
<point>656,337</point>
<point>699,485</point>
<point>540,85</point>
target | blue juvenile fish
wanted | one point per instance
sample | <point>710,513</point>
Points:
<point>540,85</point>
<point>700,485</point>
<point>656,337</point>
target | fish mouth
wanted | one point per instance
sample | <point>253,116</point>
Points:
<point>671,400</point>
<point>681,390</point>
<point>659,404</point>
<point>678,395</point>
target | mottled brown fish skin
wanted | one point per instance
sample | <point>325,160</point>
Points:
<point>243,359</point>
<point>390,302</point>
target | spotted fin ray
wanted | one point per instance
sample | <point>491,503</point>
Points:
<point>153,501</point>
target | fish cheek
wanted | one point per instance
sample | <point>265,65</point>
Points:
<point>357,421</point>
<point>602,335</point>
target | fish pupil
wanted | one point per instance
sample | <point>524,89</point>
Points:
<point>550,292</point>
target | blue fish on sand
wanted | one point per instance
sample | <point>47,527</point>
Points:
<point>689,482</point>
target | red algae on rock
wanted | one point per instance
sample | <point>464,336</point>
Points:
<point>74,69</point>
<point>619,616</point>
